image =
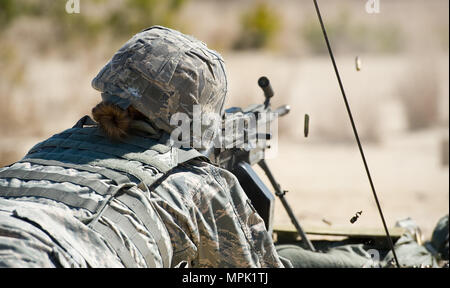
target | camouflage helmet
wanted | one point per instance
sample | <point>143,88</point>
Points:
<point>160,72</point>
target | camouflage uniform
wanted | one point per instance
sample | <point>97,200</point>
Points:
<point>79,200</point>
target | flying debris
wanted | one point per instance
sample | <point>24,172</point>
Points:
<point>355,218</point>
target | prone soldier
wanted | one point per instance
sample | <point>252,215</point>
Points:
<point>116,192</point>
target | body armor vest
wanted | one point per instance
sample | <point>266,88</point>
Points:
<point>129,169</point>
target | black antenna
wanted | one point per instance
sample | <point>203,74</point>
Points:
<point>355,131</point>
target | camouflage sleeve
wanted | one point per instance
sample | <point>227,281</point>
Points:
<point>212,222</point>
<point>260,250</point>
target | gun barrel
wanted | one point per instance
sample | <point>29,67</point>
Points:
<point>264,83</point>
<point>283,110</point>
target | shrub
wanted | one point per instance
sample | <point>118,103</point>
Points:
<point>258,27</point>
<point>347,35</point>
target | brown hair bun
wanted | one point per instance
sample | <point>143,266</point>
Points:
<point>113,120</point>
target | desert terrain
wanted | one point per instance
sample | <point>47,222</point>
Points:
<point>42,93</point>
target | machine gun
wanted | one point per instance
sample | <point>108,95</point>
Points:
<point>246,147</point>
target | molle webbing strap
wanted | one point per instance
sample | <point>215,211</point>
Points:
<point>73,156</point>
<point>139,209</point>
<point>87,149</point>
<point>85,120</point>
<point>69,198</point>
<point>128,229</point>
<point>118,178</point>
<point>133,140</point>
<point>94,184</point>
<point>105,151</point>
<point>94,142</point>
<point>187,155</point>
<point>116,243</point>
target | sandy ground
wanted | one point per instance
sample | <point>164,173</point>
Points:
<point>329,182</point>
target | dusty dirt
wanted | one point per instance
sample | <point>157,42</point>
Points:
<point>328,182</point>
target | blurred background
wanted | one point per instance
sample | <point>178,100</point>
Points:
<point>399,98</point>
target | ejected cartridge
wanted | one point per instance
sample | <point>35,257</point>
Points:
<point>306,128</point>
<point>358,63</point>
